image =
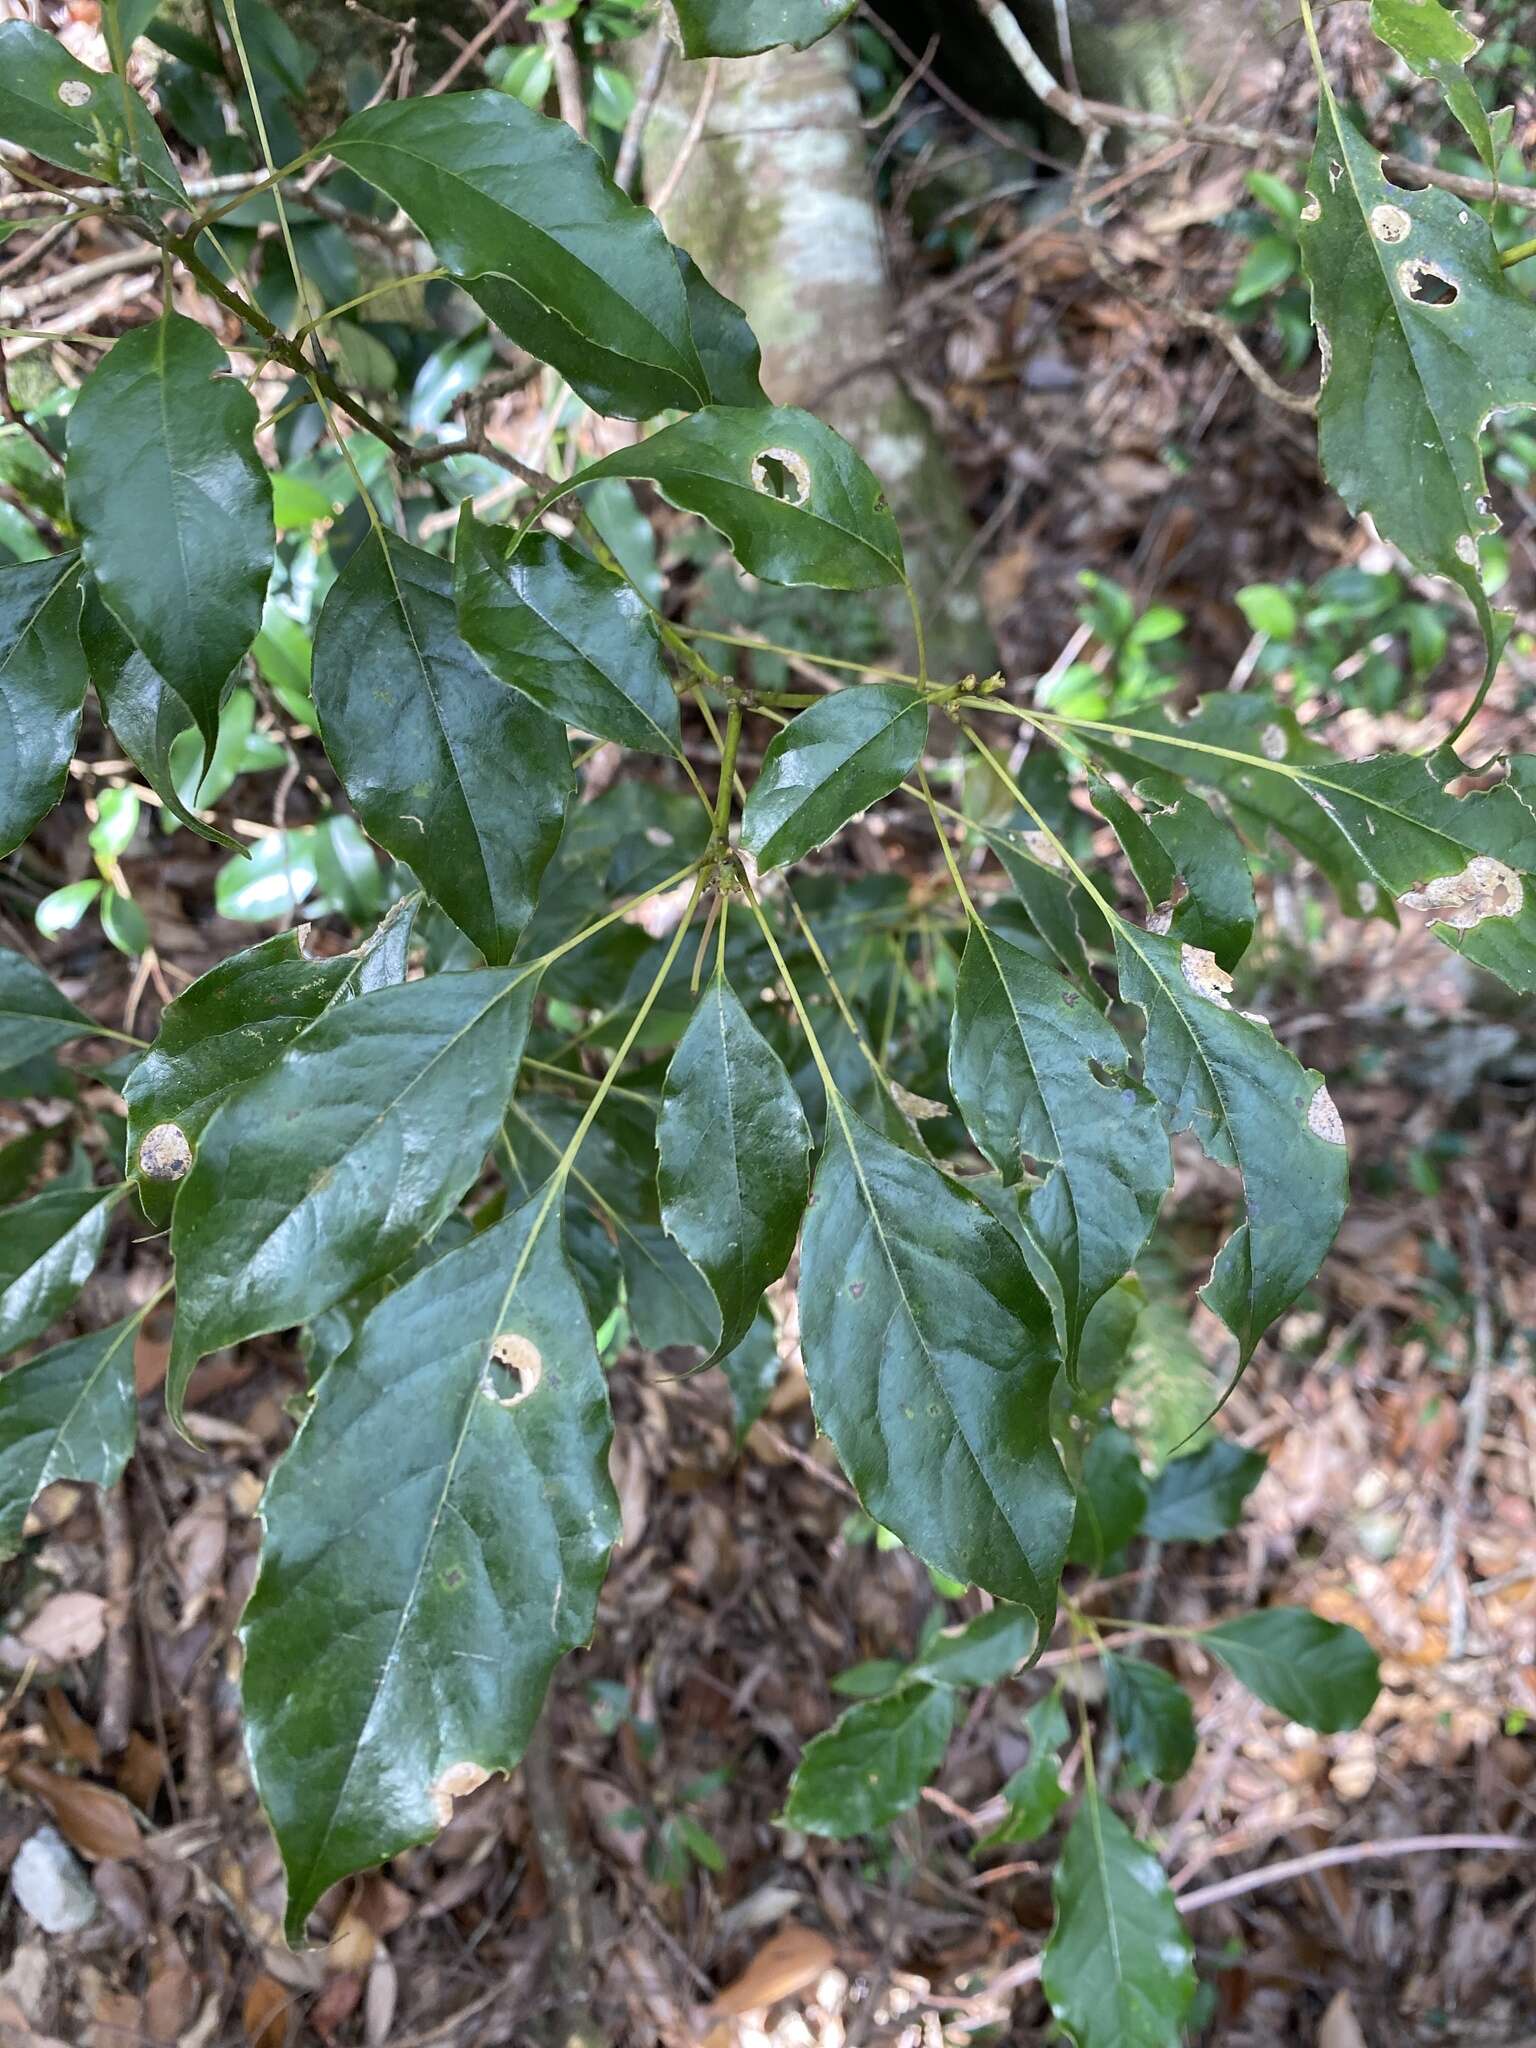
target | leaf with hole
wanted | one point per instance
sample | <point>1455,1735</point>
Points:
<point>1196,1499</point>
<point>48,1251</point>
<point>930,1354</point>
<point>1153,1714</point>
<point>743,28</point>
<point>1189,863</point>
<point>828,764</point>
<point>449,770</point>
<point>1320,1673</point>
<point>436,1539</point>
<point>872,1764</point>
<point>70,1414</point>
<point>42,688</point>
<point>82,121</point>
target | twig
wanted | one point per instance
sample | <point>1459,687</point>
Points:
<point>114,1723</point>
<point>564,1880</point>
<point>691,140</point>
<point>64,283</point>
<point>474,46</point>
<point>628,159</point>
<point>29,258</point>
<point>573,107</point>
<point>1474,1424</point>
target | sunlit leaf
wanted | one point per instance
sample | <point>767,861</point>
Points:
<point>741,28</point>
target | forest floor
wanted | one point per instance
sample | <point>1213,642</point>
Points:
<point>1396,1407</point>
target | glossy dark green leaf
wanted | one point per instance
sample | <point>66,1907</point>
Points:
<point>1035,1793</point>
<point>1111,1499</point>
<point>1320,1673</point>
<point>669,1299</point>
<point>794,501</point>
<point>1041,1080</point>
<point>728,349</point>
<point>1190,865</point>
<point>1430,38</point>
<point>735,1155</point>
<point>145,713</point>
<point>42,686</point>
<point>872,1764</point>
<point>20,1162</point>
<point>930,1355</point>
<point>173,505</point>
<point>741,28</point>
<point>70,1414</point>
<point>34,1016</point>
<point>448,769</point>
<point>77,118</point>
<point>828,764</point>
<point>1197,1498</point>
<point>1119,1968</point>
<point>1252,1105</point>
<point>48,1250</point>
<point>570,635</point>
<point>527,218</point>
<point>323,1173</point>
<point>752,1371</point>
<point>984,1651</point>
<point>1153,1715</point>
<point>1046,896</point>
<point>436,1539</point>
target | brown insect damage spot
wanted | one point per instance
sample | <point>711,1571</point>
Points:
<point>165,1153</point>
<point>921,1108</point>
<point>1466,550</point>
<point>1484,888</point>
<point>516,1366</point>
<point>782,473</point>
<point>457,1782</point>
<point>1390,224</point>
<point>1039,846</point>
<point>1205,975</point>
<point>1161,920</point>
<point>1323,1119</point>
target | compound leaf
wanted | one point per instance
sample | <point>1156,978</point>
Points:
<point>743,28</point>
<point>735,1151</point>
<point>70,1414</point>
<point>34,1016</point>
<point>1119,1968</point>
<point>872,1764</point>
<point>930,1354</point>
<point>48,1251</point>
<point>173,505</point>
<point>448,769</point>
<point>1320,1673</point>
<point>42,686</point>
<point>1198,1498</point>
<point>327,1170</point>
<point>436,1539</point>
<point>834,760</point>
<point>79,119</point>
<point>575,639</point>
<point>1431,41</point>
<point>1153,1715</point>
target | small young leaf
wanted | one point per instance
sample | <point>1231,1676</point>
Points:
<point>743,28</point>
<point>1430,39</point>
<point>436,1539</point>
<point>1111,1499</point>
<point>570,635</point>
<point>930,1354</point>
<point>828,764</point>
<point>1040,1076</point>
<point>980,1652</point>
<point>1320,1673</point>
<point>1035,1793</point>
<point>174,506</point>
<point>1119,1967</point>
<point>527,218</point>
<point>1153,1714</point>
<point>752,1371</point>
<point>735,1153</point>
<point>42,685</point>
<point>448,769</point>
<point>1198,1498</point>
<point>77,118</point>
<point>872,1764</point>
<point>48,1251</point>
<point>794,501</point>
<point>70,1414</point>
<point>322,1174</point>
<point>34,1017</point>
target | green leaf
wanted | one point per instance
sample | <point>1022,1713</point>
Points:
<point>48,1251</point>
<point>1431,41</point>
<point>567,633</point>
<point>1190,864</point>
<point>728,348</point>
<point>984,1651</point>
<point>1119,1968</point>
<point>34,1017</point>
<point>834,760</point>
<point>448,769</point>
<point>669,1299</point>
<point>1035,1793</point>
<point>123,22</point>
<point>42,685</point>
<point>528,220</point>
<point>752,1371</point>
<point>735,1153</point>
<point>930,1354</point>
<point>62,909</point>
<point>794,501</point>
<point>77,118</point>
<point>275,881</point>
<point>326,1170</point>
<point>1198,1498</point>
<point>20,1161</point>
<point>1427,337</point>
<point>872,1764</point>
<point>1252,1105</point>
<point>436,1539</point>
<point>1269,609</point>
<point>1153,1715</point>
<point>1269,264</point>
<point>1040,1078</point>
<point>742,28</point>
<point>1111,1499</point>
<point>173,505</point>
<point>124,923</point>
<point>70,1414</point>
<point>1320,1673</point>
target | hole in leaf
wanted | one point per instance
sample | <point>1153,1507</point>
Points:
<point>1031,1166</point>
<point>514,1371</point>
<point>1427,286</point>
<point>781,473</point>
<point>1102,1075</point>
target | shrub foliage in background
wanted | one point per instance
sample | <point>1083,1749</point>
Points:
<point>644,1037</point>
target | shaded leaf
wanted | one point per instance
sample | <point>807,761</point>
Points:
<point>980,1652</point>
<point>752,1371</point>
<point>1198,1498</point>
<point>34,1016</point>
<point>930,1355</point>
<point>401,1635</point>
<point>448,769</point>
<point>872,1764</point>
<point>20,1162</point>
<point>1119,1967</point>
<point>1035,1793</point>
<point>1111,1499</point>
<point>728,349</point>
<point>834,760</point>
<point>1320,1673</point>
<point>70,1414</point>
<point>669,1299</point>
<point>1177,843</point>
<point>1153,1715</point>
<point>741,28</point>
<point>48,1250</point>
<point>1430,39</point>
<point>42,685</point>
<point>77,118</point>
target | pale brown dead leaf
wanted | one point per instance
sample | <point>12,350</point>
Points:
<point>69,1626</point>
<point>264,2012</point>
<point>789,1961</point>
<point>99,1823</point>
<point>1340,2028</point>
